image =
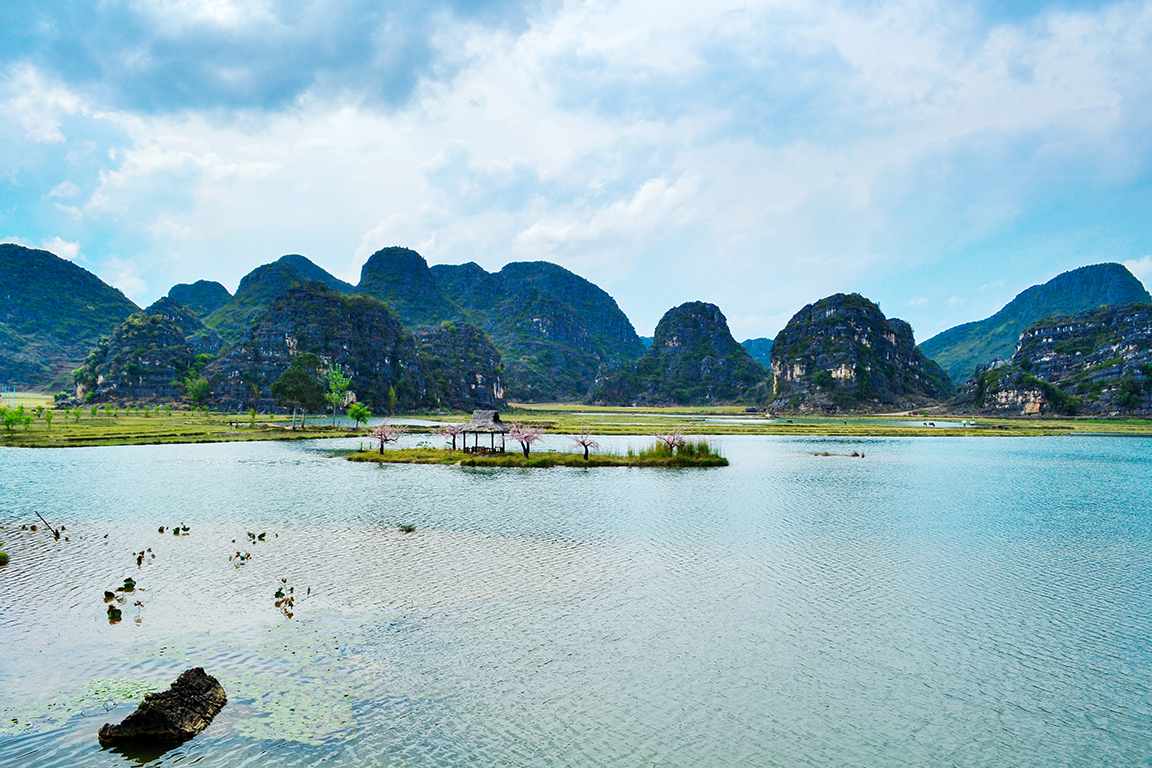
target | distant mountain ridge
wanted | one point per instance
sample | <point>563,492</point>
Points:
<point>262,286</point>
<point>1098,361</point>
<point>52,312</point>
<point>760,349</point>
<point>203,297</point>
<point>960,350</point>
<point>693,360</point>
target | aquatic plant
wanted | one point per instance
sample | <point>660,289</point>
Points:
<point>407,528</point>
<point>3,555</point>
<point>286,601</point>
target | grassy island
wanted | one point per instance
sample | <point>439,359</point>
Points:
<point>693,454</point>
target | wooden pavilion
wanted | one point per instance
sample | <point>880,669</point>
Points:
<point>484,423</point>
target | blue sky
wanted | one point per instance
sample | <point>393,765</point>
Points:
<point>937,157</point>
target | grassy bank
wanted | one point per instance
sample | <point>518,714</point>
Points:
<point>158,428</point>
<point>696,455</point>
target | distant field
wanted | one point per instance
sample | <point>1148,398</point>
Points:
<point>124,427</point>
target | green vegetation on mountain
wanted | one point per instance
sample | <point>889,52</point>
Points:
<point>257,290</point>
<point>315,273</point>
<point>201,338</point>
<point>400,278</point>
<point>262,286</point>
<point>51,314</point>
<point>960,350</point>
<point>357,333</point>
<point>693,360</point>
<point>842,353</point>
<point>553,328</point>
<point>144,360</point>
<point>203,297</point>
<point>760,349</point>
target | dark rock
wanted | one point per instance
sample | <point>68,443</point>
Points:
<point>693,360</point>
<point>174,715</point>
<point>843,353</point>
<point>257,290</point>
<point>200,338</point>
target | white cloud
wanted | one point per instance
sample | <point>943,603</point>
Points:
<point>37,105</point>
<point>756,155</point>
<point>1141,267</point>
<point>955,301</point>
<point>62,248</point>
<point>64,189</point>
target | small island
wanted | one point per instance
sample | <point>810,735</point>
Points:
<point>701,456</point>
<point>670,449</point>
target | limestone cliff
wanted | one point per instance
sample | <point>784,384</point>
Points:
<point>202,339</point>
<point>462,368</point>
<point>842,353</point>
<point>1098,361</point>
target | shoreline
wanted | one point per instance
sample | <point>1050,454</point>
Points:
<point>188,427</point>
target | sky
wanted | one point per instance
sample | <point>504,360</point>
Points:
<point>935,156</point>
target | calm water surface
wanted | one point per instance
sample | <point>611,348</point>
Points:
<point>942,601</point>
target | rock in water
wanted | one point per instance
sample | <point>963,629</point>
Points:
<point>174,715</point>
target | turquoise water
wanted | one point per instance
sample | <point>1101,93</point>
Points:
<point>942,601</point>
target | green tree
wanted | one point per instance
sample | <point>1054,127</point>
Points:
<point>392,399</point>
<point>338,384</point>
<point>197,390</point>
<point>48,416</point>
<point>300,386</point>
<point>359,413</point>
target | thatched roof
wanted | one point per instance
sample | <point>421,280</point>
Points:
<point>485,422</point>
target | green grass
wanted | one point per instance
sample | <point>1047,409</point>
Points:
<point>158,428</point>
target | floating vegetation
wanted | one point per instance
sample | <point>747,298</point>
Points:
<point>142,554</point>
<point>286,601</point>
<point>109,596</point>
<point>129,585</point>
<point>114,614</point>
<point>407,528</point>
<point>254,537</point>
<point>3,555</point>
<point>239,558</point>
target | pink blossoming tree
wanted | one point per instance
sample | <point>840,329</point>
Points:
<point>585,441</point>
<point>525,435</point>
<point>387,432</point>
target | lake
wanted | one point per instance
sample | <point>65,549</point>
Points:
<point>941,601</point>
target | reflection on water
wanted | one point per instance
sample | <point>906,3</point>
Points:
<point>972,601</point>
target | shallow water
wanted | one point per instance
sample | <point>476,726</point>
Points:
<point>974,601</point>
